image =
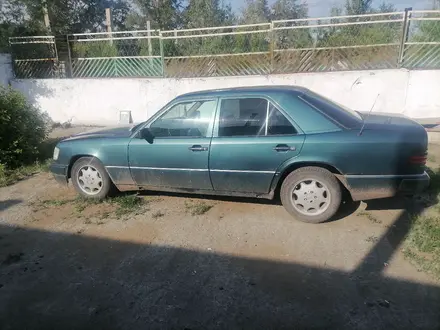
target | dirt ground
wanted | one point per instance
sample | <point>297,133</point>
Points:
<point>185,262</point>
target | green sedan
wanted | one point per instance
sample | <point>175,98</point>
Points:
<point>265,142</point>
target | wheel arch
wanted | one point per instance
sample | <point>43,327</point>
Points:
<point>73,160</point>
<point>284,172</point>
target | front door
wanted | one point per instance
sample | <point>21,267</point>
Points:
<point>178,156</point>
<point>252,138</point>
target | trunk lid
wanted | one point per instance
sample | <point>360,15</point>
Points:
<point>404,138</point>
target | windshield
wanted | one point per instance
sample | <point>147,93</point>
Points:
<point>343,115</point>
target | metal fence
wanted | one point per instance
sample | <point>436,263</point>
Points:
<point>408,39</point>
<point>421,48</point>
<point>35,57</point>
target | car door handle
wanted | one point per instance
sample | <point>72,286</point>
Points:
<point>284,148</point>
<point>198,148</point>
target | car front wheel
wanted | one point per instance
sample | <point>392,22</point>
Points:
<point>311,194</point>
<point>90,178</point>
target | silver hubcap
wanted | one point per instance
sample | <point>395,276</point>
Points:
<point>310,197</point>
<point>89,180</point>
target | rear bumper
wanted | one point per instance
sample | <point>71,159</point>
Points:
<point>59,172</point>
<point>415,185</point>
<point>364,187</point>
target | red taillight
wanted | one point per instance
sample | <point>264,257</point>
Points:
<point>419,160</point>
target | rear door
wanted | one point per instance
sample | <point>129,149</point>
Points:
<point>252,138</point>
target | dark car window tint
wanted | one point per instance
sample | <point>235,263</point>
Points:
<point>188,119</point>
<point>345,117</point>
<point>278,124</point>
<point>242,117</point>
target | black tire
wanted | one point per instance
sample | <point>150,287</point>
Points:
<point>322,176</point>
<point>107,186</point>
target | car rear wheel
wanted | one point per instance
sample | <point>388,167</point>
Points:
<point>90,178</point>
<point>311,194</point>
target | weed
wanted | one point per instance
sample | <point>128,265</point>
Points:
<point>431,158</point>
<point>369,216</point>
<point>100,222</point>
<point>54,202</point>
<point>81,203</point>
<point>105,215</point>
<point>157,214</point>
<point>87,222</point>
<point>434,186</point>
<point>372,239</point>
<point>198,208</point>
<point>126,204</point>
<point>80,207</point>
<point>9,177</point>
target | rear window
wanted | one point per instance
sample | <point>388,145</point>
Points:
<point>342,115</point>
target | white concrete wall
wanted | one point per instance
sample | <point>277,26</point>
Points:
<point>98,101</point>
<point>5,69</point>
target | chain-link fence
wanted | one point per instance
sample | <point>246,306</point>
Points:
<point>408,39</point>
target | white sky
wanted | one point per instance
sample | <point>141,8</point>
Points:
<point>319,8</point>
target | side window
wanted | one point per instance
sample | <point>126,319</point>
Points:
<point>278,124</point>
<point>242,117</point>
<point>187,119</point>
<point>247,117</point>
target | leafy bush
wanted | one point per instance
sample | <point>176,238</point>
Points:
<point>22,129</point>
<point>95,49</point>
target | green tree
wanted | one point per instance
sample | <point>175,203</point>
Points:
<point>289,10</point>
<point>76,16</point>
<point>199,14</point>
<point>363,34</point>
<point>203,13</point>
<point>162,14</point>
<point>358,7</point>
<point>256,11</point>
<point>15,22</point>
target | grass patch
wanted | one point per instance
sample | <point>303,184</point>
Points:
<point>198,208</point>
<point>431,158</point>
<point>54,202</point>
<point>9,177</point>
<point>126,204</point>
<point>434,186</point>
<point>422,245</point>
<point>81,203</point>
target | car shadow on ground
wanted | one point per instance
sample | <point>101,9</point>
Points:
<point>8,203</point>
<point>63,281</point>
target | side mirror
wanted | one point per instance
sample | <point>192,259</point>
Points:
<point>145,134</point>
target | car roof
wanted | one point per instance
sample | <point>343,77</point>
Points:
<point>244,90</point>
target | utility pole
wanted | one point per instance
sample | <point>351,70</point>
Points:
<point>46,16</point>
<point>150,48</point>
<point>108,23</point>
